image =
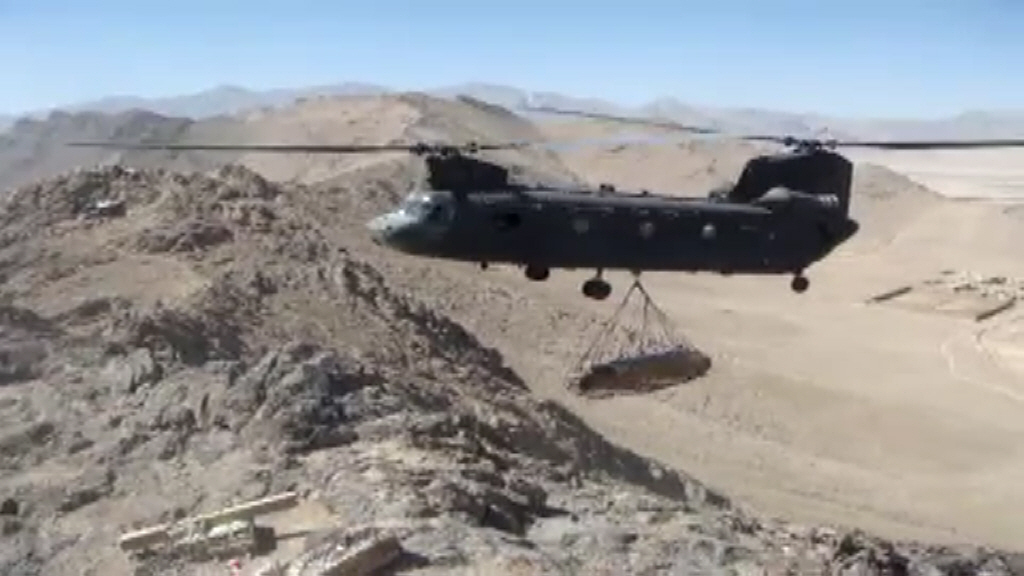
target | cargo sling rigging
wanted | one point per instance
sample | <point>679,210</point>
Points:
<point>641,357</point>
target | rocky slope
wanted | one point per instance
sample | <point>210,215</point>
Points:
<point>218,343</point>
<point>36,148</point>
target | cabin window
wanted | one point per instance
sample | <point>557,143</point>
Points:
<point>436,213</point>
<point>647,229</point>
<point>708,232</point>
<point>580,225</point>
<point>507,220</point>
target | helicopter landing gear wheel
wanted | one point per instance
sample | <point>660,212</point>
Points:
<point>537,273</point>
<point>800,284</point>
<point>597,289</point>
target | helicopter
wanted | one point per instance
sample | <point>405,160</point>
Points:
<point>786,211</point>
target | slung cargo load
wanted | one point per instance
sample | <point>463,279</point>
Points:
<point>637,353</point>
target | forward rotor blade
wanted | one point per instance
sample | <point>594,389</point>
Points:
<point>295,148</point>
<point>417,148</point>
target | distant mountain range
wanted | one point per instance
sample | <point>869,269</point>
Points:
<point>226,100</point>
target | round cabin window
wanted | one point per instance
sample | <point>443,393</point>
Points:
<point>647,229</point>
<point>580,225</point>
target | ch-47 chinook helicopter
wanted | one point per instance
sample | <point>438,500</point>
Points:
<point>786,211</point>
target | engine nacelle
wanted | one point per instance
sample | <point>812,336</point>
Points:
<point>820,173</point>
<point>780,199</point>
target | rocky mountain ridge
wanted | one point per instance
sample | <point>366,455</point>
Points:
<point>230,100</point>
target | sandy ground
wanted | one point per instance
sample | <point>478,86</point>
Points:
<point>824,408</point>
<point>993,173</point>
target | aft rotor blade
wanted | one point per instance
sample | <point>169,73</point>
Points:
<point>791,140</point>
<point>625,119</point>
<point>930,144</point>
<point>661,123</point>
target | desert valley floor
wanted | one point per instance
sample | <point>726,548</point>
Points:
<point>830,408</point>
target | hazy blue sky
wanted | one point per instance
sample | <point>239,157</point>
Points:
<point>862,57</point>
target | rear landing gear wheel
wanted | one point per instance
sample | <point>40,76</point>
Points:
<point>537,273</point>
<point>800,284</point>
<point>597,289</point>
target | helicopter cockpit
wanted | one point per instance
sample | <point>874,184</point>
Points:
<point>420,219</point>
<point>427,207</point>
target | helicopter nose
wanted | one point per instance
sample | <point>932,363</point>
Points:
<point>389,229</point>
<point>379,228</point>
<point>396,230</point>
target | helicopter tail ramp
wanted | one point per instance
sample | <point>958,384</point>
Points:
<point>638,356</point>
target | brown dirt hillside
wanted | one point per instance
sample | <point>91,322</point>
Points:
<point>232,336</point>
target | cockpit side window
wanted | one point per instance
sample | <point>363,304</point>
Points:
<point>435,213</point>
<point>414,205</point>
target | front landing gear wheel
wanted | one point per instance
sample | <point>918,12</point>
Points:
<point>538,273</point>
<point>597,289</point>
<point>800,284</point>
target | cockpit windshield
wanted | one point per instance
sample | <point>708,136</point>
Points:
<point>425,207</point>
<point>416,205</point>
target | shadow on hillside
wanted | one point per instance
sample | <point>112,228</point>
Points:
<point>592,453</point>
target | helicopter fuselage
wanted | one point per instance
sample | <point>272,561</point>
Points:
<point>783,232</point>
